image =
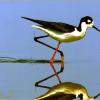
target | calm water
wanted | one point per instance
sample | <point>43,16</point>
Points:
<point>82,58</point>
<point>18,80</point>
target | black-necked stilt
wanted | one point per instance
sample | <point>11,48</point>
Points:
<point>62,32</point>
<point>67,91</point>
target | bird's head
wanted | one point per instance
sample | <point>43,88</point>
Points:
<point>87,22</point>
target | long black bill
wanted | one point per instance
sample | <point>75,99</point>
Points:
<point>96,28</point>
<point>96,96</point>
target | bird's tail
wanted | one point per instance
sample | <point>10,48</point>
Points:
<point>35,20</point>
<point>29,19</point>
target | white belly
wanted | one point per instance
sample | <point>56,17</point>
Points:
<point>65,37</point>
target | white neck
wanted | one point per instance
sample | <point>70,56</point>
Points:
<point>83,27</point>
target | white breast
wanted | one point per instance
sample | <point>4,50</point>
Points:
<point>65,37</point>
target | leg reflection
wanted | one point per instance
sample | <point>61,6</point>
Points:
<point>37,84</point>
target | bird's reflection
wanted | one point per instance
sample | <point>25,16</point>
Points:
<point>67,91</point>
<point>64,91</point>
<point>37,84</point>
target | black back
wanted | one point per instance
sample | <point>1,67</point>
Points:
<point>60,96</point>
<point>57,26</point>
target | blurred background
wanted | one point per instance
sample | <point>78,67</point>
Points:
<point>82,58</point>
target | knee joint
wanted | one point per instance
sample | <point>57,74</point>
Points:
<point>35,39</point>
<point>36,84</point>
<point>61,53</point>
<point>61,70</point>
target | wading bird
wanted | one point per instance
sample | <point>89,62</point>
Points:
<point>61,32</point>
<point>67,91</point>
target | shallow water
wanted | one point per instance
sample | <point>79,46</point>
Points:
<point>17,80</point>
<point>82,58</point>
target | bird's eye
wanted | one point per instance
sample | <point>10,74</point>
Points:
<point>88,21</point>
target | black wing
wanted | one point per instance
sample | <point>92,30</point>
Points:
<point>59,96</point>
<point>57,26</point>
